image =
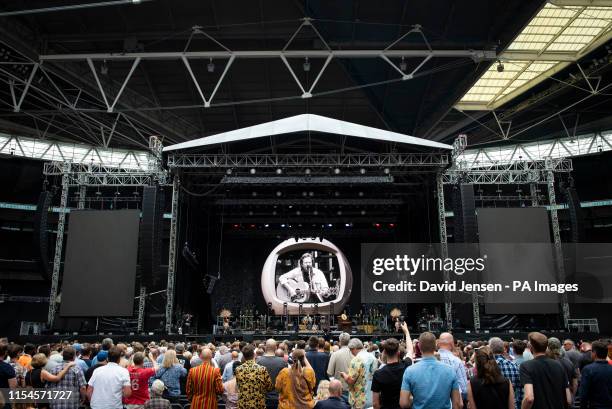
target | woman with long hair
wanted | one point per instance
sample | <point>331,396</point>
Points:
<point>488,389</point>
<point>170,372</point>
<point>296,385</point>
<point>38,376</point>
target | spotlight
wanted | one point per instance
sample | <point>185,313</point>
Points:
<point>391,225</point>
<point>298,213</point>
<point>254,194</point>
<point>273,212</point>
<point>279,171</point>
<point>377,225</point>
<point>339,212</point>
<point>210,66</point>
<point>386,170</point>
<point>266,225</point>
<point>363,212</point>
<point>304,193</point>
<point>306,65</point>
<point>336,193</point>
<point>315,212</point>
<point>362,171</point>
<point>104,68</point>
<point>500,66</point>
<point>403,64</point>
<point>279,193</point>
<point>228,172</point>
<point>252,171</point>
<point>307,171</point>
<point>337,171</point>
<point>282,225</point>
<point>311,194</point>
<point>250,213</point>
<point>360,194</point>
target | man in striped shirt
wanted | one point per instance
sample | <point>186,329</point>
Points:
<point>204,383</point>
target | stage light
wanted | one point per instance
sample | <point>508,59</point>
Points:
<point>306,64</point>
<point>298,212</point>
<point>250,213</point>
<point>283,225</point>
<point>307,171</point>
<point>104,68</point>
<point>273,212</point>
<point>254,194</point>
<point>266,225</point>
<point>330,225</point>
<point>252,226</point>
<point>311,194</point>
<point>500,66</point>
<point>315,212</point>
<point>386,170</point>
<point>279,171</point>
<point>228,172</point>
<point>236,226</point>
<point>363,212</point>
<point>290,206</point>
<point>252,171</point>
<point>347,225</point>
<point>391,225</point>
<point>336,193</point>
<point>279,193</point>
<point>377,225</point>
<point>337,171</point>
<point>210,66</point>
<point>304,193</point>
<point>360,194</point>
<point>362,171</point>
<point>403,64</point>
<point>339,212</point>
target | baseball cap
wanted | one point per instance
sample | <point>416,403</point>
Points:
<point>158,386</point>
<point>102,356</point>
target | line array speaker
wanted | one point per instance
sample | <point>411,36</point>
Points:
<point>150,236</point>
<point>464,210</point>
<point>576,215</point>
<point>40,239</point>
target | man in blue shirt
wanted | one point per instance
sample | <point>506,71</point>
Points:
<point>596,380</point>
<point>429,383</point>
<point>446,343</point>
<point>509,369</point>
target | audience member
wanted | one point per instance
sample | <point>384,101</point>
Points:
<point>109,383</point>
<point>253,381</point>
<point>157,401</point>
<point>489,389</point>
<point>335,400</point>
<point>429,383</point>
<point>596,380</point>
<point>387,380</point>
<point>230,389</point>
<point>544,380</point>
<point>318,359</point>
<point>509,369</point>
<point>296,385</point>
<point>340,360</point>
<point>204,383</point>
<point>73,380</point>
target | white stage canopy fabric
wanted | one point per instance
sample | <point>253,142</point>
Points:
<point>303,123</point>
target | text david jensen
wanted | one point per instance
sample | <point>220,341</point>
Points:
<point>462,286</point>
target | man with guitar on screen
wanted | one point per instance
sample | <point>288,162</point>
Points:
<point>304,281</point>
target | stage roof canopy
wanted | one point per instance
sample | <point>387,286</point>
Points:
<point>307,123</point>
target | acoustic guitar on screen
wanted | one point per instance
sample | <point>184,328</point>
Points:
<point>303,291</point>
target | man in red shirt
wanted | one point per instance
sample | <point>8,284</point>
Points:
<point>139,379</point>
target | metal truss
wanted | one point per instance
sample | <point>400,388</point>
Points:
<point>518,172</point>
<point>308,160</point>
<point>172,253</point>
<point>448,306</point>
<point>306,180</point>
<point>570,146</point>
<point>559,261</point>
<point>311,201</point>
<point>79,174</point>
<point>44,149</point>
<point>59,244</point>
<point>386,54</point>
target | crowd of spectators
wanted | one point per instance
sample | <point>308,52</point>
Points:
<point>428,372</point>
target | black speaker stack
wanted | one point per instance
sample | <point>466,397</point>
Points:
<point>41,237</point>
<point>150,236</point>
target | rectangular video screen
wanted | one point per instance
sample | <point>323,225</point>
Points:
<point>100,263</point>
